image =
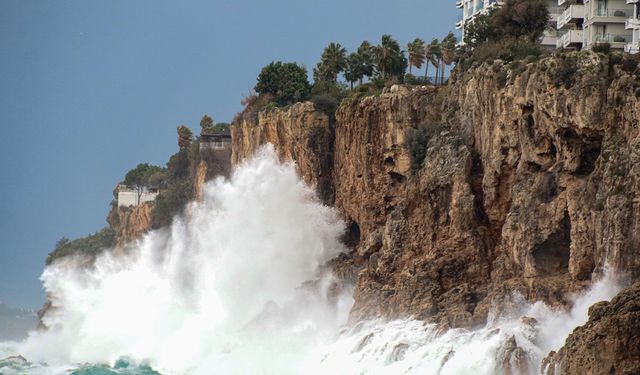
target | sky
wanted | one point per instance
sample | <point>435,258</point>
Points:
<point>89,89</point>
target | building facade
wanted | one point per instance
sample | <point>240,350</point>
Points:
<point>219,141</point>
<point>578,23</point>
<point>633,24</point>
<point>471,8</point>
<point>128,197</point>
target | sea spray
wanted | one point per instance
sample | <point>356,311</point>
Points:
<point>221,289</point>
<point>516,341</point>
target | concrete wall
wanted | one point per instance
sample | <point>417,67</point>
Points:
<point>130,198</point>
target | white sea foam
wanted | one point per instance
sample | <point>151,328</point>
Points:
<point>220,292</point>
<point>412,347</point>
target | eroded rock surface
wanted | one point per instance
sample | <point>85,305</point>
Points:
<point>609,343</point>
<point>526,186</point>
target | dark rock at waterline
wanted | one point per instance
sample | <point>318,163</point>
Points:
<point>609,343</point>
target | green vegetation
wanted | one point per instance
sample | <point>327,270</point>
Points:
<point>145,176</point>
<point>416,52</point>
<point>417,142</point>
<point>390,60</point>
<point>91,245</point>
<point>287,83</point>
<point>332,63</point>
<point>365,71</point>
<point>207,126</point>
<point>185,137</point>
<point>509,33</point>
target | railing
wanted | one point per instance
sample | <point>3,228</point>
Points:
<point>622,13</point>
<point>570,37</point>
<point>613,38</point>
<point>572,12</point>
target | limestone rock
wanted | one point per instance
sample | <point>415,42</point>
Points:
<point>609,343</point>
<point>526,186</point>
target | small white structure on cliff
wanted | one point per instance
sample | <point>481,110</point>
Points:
<point>128,197</point>
<point>218,141</point>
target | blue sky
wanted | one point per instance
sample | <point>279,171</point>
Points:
<point>90,88</point>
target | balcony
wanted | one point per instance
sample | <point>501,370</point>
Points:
<point>571,14</point>
<point>632,23</point>
<point>459,4</point>
<point>632,1</point>
<point>605,15</point>
<point>615,40</point>
<point>570,38</point>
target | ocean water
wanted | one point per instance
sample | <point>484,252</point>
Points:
<point>225,290</point>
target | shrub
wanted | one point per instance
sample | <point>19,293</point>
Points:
<point>90,245</point>
<point>564,73</point>
<point>507,50</point>
<point>619,39</point>
<point>417,141</point>
<point>171,202</point>
<point>629,63</point>
<point>602,48</point>
<point>327,104</point>
<point>327,96</point>
<point>410,79</point>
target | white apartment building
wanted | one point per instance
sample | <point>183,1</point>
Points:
<point>578,23</point>
<point>471,8</point>
<point>585,23</point>
<point>633,24</point>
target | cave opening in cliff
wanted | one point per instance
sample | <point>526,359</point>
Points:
<point>590,153</point>
<point>351,237</point>
<point>552,256</point>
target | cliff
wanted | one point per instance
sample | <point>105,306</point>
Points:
<point>529,183</point>
<point>300,133</point>
<point>129,223</point>
<point>609,343</point>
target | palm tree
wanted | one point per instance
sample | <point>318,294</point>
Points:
<point>366,57</point>
<point>448,46</point>
<point>435,54</point>
<point>416,52</point>
<point>390,59</point>
<point>353,71</point>
<point>332,63</point>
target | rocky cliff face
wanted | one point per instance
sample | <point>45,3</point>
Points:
<point>300,134</point>
<point>608,344</point>
<point>129,223</point>
<point>527,185</point>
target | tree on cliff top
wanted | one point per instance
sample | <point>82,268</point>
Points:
<point>390,60</point>
<point>416,52</point>
<point>332,63</point>
<point>287,82</point>
<point>185,137</point>
<point>515,19</point>
<point>523,18</point>
<point>206,124</point>
<point>140,177</point>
